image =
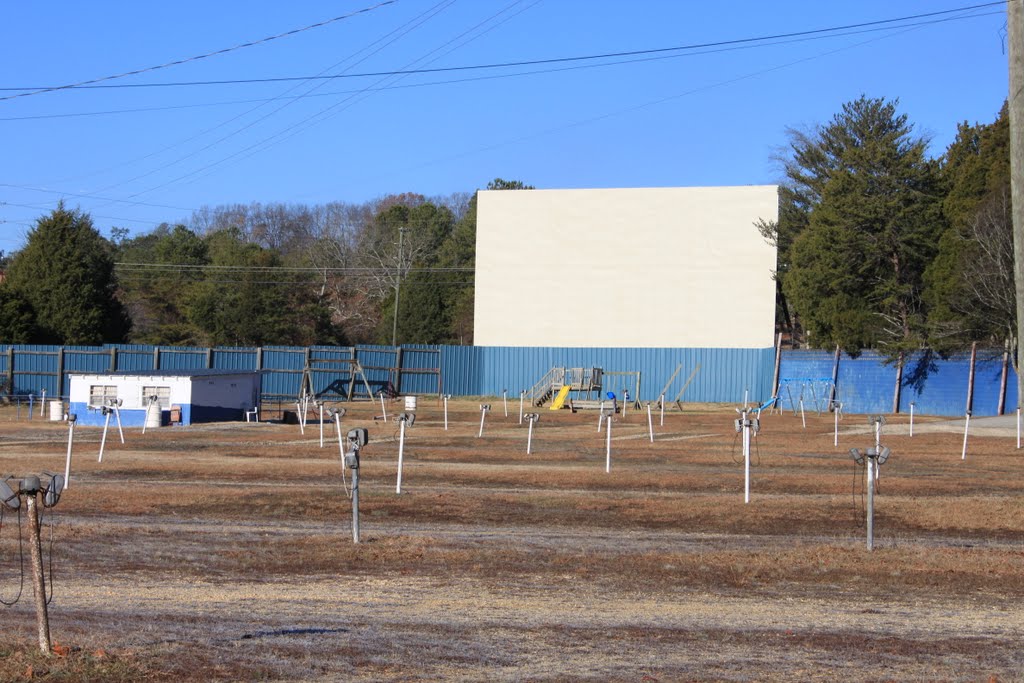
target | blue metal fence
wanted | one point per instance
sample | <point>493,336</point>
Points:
<point>865,384</point>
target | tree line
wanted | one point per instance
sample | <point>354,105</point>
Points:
<point>251,275</point>
<point>879,246</point>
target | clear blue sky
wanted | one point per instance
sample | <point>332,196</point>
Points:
<point>133,157</point>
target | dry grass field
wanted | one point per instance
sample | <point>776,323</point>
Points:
<point>225,552</point>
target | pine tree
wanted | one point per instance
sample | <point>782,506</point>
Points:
<point>66,274</point>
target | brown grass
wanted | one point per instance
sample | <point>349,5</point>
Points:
<point>495,564</point>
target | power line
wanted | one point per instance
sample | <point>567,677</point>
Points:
<point>177,62</point>
<point>398,33</point>
<point>520,63</point>
<point>408,27</point>
<point>326,112</point>
<point>896,30</point>
<point>179,267</point>
<point>455,81</point>
<point>92,196</point>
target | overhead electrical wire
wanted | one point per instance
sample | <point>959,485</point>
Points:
<point>177,62</point>
<point>878,25</point>
<point>401,32</point>
<point>519,63</point>
<point>894,30</point>
<point>455,81</point>
<point>325,113</point>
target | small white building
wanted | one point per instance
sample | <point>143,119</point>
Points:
<point>190,395</point>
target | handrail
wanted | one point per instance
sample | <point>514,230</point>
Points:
<point>546,383</point>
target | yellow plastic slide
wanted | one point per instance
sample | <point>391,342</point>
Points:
<point>560,398</point>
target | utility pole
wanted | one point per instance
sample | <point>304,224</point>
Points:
<point>1015,30</point>
<point>398,289</point>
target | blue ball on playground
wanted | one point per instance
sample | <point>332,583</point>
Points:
<point>611,395</point>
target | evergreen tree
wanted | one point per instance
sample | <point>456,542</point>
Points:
<point>856,269</point>
<point>66,274</point>
<point>970,284</point>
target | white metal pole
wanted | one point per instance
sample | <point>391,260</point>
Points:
<point>504,400</point>
<point>67,466</point>
<point>746,458</point>
<point>42,402</point>
<point>600,417</point>
<point>967,424</point>
<point>302,423</point>
<point>871,504</point>
<point>878,444</point>
<point>650,423</point>
<point>803,418</point>
<point>1018,427</point>
<point>483,414</point>
<point>746,394</point>
<point>529,437</point>
<point>341,444</point>
<point>446,412</point>
<point>522,395</point>
<point>103,439</point>
<point>383,410</point>
<point>117,414</point>
<point>401,454</point>
<point>835,416</point>
<point>321,425</point>
<point>608,447</point>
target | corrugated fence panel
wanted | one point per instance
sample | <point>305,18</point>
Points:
<point>331,370</point>
<point>936,386</point>
<point>135,358</point>
<point>35,369</point>
<point>865,384</point>
<point>377,362</point>
<point>724,374</point>
<point>83,359</point>
<point>283,370</point>
<point>182,358</point>
<point>421,369</point>
<point>461,369</point>
<point>988,372</point>
<point>241,359</point>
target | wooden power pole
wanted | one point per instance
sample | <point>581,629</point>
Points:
<point>1015,28</point>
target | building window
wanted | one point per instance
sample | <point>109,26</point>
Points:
<point>163,395</point>
<point>101,395</point>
